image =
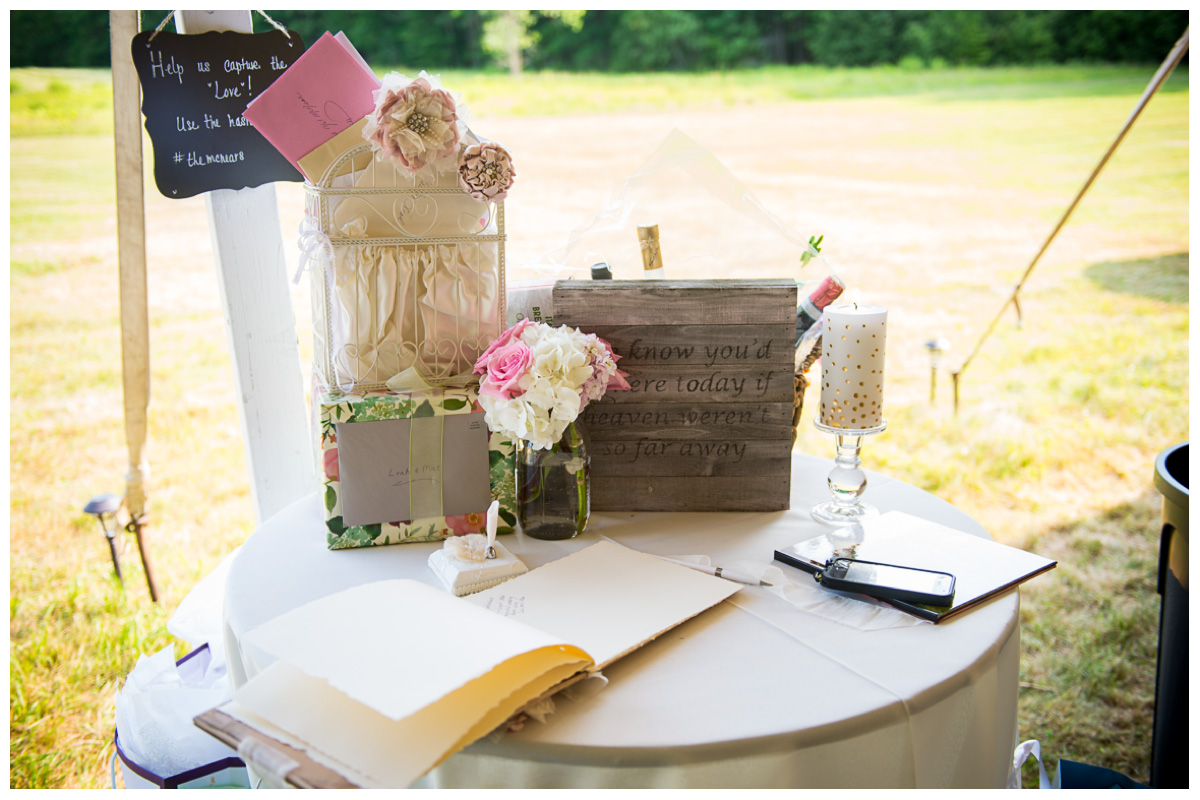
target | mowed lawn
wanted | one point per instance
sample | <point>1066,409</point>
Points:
<point>933,189</point>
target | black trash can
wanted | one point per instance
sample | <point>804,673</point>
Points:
<point>1169,751</point>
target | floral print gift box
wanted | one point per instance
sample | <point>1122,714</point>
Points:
<point>411,467</point>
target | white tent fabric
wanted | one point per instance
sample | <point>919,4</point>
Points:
<point>131,242</point>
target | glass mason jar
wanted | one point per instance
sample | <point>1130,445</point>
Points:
<point>554,488</point>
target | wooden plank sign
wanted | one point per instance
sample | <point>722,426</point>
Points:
<point>707,424</point>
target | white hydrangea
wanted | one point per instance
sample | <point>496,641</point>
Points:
<point>567,370</point>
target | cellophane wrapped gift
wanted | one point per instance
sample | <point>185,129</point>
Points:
<point>407,269</point>
<point>399,467</point>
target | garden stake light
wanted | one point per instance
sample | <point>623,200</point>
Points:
<point>105,508</point>
<point>937,348</point>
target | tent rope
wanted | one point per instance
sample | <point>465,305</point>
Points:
<point>1160,77</point>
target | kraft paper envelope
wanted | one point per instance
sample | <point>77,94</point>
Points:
<point>406,469</point>
<point>319,160</point>
<point>324,92</point>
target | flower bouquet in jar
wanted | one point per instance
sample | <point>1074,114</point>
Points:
<point>535,382</point>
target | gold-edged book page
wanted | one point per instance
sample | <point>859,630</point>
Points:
<point>374,751</point>
<point>606,599</point>
<point>396,646</point>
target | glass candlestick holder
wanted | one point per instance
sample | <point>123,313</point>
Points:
<point>847,481</point>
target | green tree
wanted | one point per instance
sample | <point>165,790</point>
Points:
<point>58,39</point>
<point>1021,37</point>
<point>648,41</point>
<point>507,35</point>
<point>855,38</point>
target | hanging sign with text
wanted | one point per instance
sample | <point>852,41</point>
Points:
<point>707,422</point>
<point>194,90</point>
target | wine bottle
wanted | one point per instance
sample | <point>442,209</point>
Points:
<point>651,253</point>
<point>813,305</point>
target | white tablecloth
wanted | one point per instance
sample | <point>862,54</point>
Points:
<point>754,693</point>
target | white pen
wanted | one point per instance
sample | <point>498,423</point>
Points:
<point>720,572</point>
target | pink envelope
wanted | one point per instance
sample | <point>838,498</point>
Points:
<point>326,91</point>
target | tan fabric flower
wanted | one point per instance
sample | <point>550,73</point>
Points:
<point>413,123</point>
<point>485,172</point>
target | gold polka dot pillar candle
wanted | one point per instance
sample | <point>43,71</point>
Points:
<point>852,353</point>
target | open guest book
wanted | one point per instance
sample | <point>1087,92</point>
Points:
<point>376,685</point>
<point>982,568</point>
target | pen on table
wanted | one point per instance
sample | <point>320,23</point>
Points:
<point>720,572</point>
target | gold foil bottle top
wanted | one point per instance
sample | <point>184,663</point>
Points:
<point>651,252</point>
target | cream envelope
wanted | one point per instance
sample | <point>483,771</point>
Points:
<point>315,164</point>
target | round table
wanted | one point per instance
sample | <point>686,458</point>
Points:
<point>756,692</point>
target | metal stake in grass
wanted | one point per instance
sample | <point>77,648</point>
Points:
<point>937,348</point>
<point>105,508</point>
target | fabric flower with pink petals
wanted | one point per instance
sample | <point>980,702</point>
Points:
<point>414,123</point>
<point>485,172</point>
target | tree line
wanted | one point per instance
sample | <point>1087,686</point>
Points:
<point>667,40</point>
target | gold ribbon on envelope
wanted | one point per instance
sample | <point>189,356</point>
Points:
<point>425,467</point>
<point>414,379</point>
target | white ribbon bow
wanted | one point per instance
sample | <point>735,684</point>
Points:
<point>314,244</point>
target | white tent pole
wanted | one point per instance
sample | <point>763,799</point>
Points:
<point>252,273</point>
<point>131,256</point>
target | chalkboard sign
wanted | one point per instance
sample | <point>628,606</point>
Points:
<point>194,90</point>
<point>707,424</point>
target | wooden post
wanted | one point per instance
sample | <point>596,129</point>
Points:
<point>248,249</point>
<point>131,257</point>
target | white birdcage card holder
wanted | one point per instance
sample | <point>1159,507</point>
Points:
<point>408,274</point>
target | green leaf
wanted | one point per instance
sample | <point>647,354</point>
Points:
<point>373,531</point>
<point>508,517</point>
<point>357,536</point>
<point>335,525</point>
<point>330,498</point>
<point>423,410</point>
<point>454,403</point>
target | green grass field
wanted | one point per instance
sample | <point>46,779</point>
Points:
<point>1052,449</point>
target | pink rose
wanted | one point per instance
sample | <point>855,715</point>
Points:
<point>462,524</point>
<point>617,382</point>
<point>503,339</point>
<point>331,464</point>
<point>505,368</point>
